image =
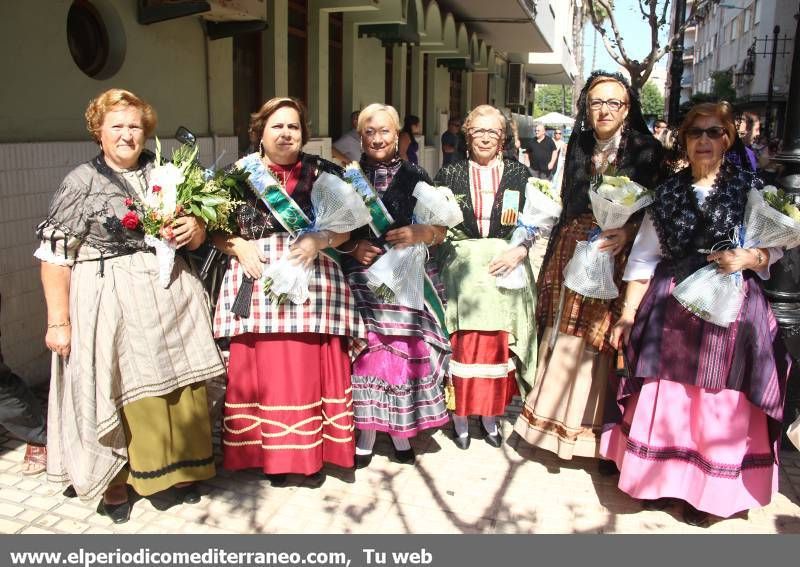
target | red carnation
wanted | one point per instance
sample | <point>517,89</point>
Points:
<point>129,203</point>
<point>156,188</point>
<point>130,220</point>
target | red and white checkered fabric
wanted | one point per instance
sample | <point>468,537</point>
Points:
<point>330,310</point>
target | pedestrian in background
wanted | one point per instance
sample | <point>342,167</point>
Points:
<point>398,378</point>
<point>347,148</point>
<point>561,146</point>
<point>453,145</point>
<point>492,329</point>
<point>407,145</point>
<point>659,126</point>
<point>702,406</point>
<point>564,412</point>
<point>22,415</point>
<point>129,402</point>
<point>542,153</point>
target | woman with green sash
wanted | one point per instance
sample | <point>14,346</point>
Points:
<point>492,329</point>
<point>398,378</point>
<point>288,407</point>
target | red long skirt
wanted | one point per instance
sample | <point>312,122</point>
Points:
<point>289,405</point>
<point>483,374</point>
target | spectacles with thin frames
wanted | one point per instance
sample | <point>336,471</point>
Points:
<point>483,132</point>
<point>613,104</point>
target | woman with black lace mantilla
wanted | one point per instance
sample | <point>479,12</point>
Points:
<point>128,398</point>
<point>564,412</point>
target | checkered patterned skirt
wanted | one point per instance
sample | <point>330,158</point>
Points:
<point>582,316</point>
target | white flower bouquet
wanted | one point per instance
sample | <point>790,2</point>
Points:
<point>771,220</point>
<point>338,208</point>
<point>590,271</point>
<point>180,187</point>
<point>398,276</point>
<point>541,211</point>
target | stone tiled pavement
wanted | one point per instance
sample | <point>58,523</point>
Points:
<point>514,489</point>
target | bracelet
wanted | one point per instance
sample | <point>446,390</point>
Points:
<point>353,249</point>
<point>625,305</point>
<point>759,257</point>
<point>57,325</point>
<point>433,239</point>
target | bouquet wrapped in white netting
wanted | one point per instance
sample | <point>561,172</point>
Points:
<point>712,296</point>
<point>771,220</point>
<point>398,276</point>
<point>590,271</point>
<point>541,211</point>
<point>337,208</point>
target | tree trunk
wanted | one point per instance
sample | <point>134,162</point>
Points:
<point>579,16</point>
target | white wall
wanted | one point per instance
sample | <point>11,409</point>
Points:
<point>46,93</point>
<point>370,73</point>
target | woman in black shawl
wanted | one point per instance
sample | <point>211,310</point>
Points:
<point>563,413</point>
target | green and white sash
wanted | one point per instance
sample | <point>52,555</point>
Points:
<point>278,201</point>
<point>380,223</point>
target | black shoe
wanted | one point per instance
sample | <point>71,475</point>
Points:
<point>495,439</point>
<point>656,505</point>
<point>315,480</point>
<point>118,513</point>
<point>187,494</point>
<point>607,468</point>
<point>461,442</point>
<point>69,492</point>
<point>405,457</point>
<point>695,517</point>
<point>276,480</point>
<point>362,461</point>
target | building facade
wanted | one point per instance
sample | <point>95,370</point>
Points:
<point>207,65</point>
<point>733,41</point>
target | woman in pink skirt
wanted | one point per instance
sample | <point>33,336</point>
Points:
<point>701,406</point>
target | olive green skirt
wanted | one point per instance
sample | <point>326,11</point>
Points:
<point>169,440</point>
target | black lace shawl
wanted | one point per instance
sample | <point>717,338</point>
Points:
<point>88,207</point>
<point>253,219</point>
<point>397,198</point>
<point>684,226</point>
<point>640,156</point>
<point>456,177</point>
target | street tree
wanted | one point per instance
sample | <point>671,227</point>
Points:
<point>552,98</point>
<point>580,16</point>
<point>652,99</point>
<point>654,13</point>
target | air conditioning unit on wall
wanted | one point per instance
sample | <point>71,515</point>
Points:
<point>515,85</point>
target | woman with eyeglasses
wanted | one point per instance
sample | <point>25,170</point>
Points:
<point>398,377</point>
<point>701,409</point>
<point>492,330</point>
<point>563,413</point>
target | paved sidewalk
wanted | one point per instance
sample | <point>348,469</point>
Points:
<point>514,489</point>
